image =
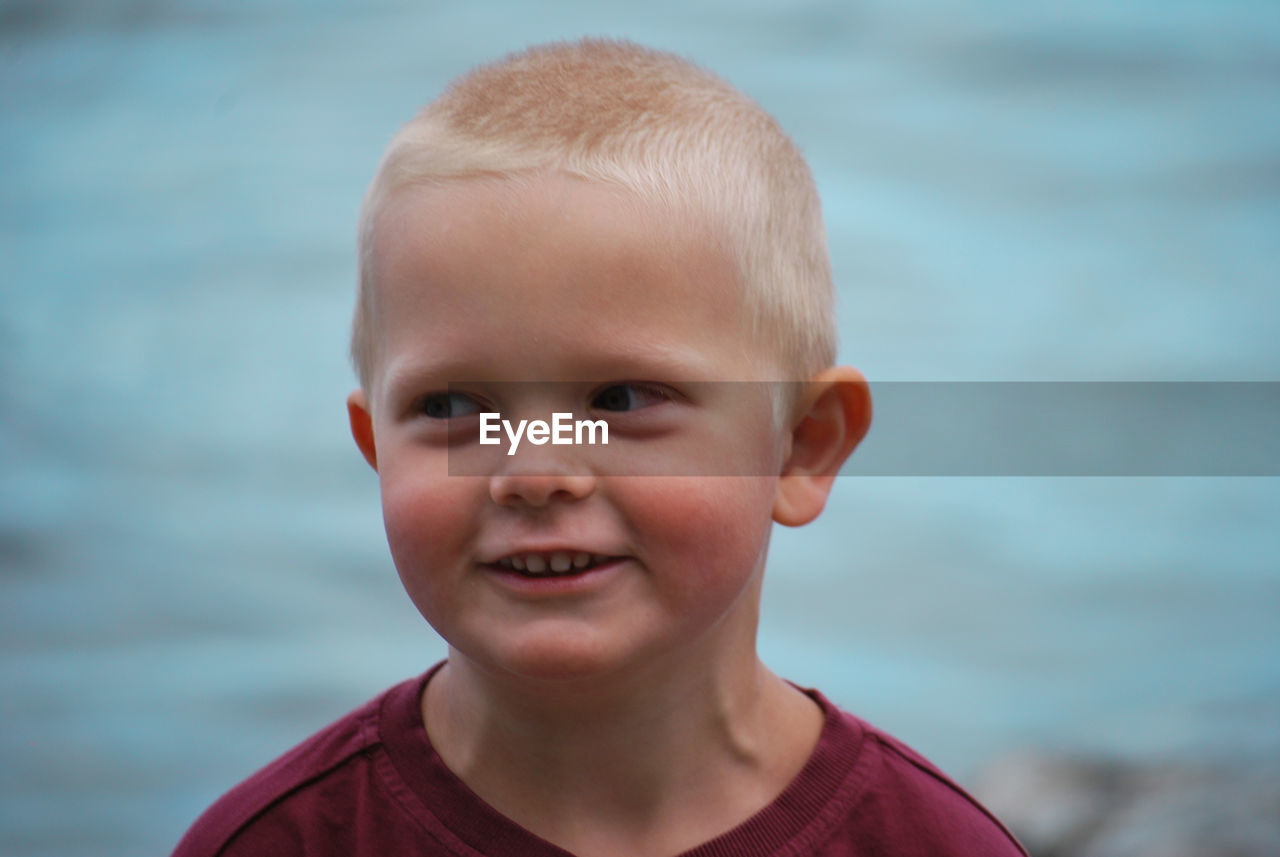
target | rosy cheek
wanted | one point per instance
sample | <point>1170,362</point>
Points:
<point>427,523</point>
<point>712,529</point>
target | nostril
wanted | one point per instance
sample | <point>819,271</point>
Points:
<point>539,489</point>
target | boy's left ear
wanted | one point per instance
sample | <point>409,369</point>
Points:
<point>830,420</point>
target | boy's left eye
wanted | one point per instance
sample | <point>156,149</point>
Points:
<point>628,397</point>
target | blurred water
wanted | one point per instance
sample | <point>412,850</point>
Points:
<point>192,569</point>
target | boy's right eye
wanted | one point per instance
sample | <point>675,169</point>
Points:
<point>447,406</point>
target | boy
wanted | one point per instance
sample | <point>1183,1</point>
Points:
<point>600,229</point>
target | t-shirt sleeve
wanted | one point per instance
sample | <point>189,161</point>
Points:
<point>918,810</point>
<point>259,816</point>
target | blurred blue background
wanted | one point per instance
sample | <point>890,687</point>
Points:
<point>193,574</point>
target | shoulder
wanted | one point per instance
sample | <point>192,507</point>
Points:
<point>319,778</point>
<point>901,804</point>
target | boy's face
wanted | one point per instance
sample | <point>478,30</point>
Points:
<point>624,307</point>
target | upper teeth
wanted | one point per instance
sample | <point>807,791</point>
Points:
<point>554,562</point>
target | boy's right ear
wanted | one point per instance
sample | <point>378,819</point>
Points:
<point>362,426</point>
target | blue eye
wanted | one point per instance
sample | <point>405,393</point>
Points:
<point>447,406</point>
<point>628,397</point>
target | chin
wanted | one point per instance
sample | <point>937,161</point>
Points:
<point>558,657</point>
<point>561,663</point>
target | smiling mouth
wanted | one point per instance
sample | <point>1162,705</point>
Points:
<point>553,563</point>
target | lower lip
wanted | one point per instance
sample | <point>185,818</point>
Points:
<point>558,584</point>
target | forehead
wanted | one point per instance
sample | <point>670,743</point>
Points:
<point>471,221</point>
<point>513,259</point>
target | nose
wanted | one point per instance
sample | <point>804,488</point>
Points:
<point>540,487</point>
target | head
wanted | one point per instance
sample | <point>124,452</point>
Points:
<point>595,216</point>
<point>655,124</point>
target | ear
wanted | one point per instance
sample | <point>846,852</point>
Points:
<point>829,421</point>
<point>362,426</point>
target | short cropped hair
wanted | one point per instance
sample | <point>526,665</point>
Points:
<point>651,122</point>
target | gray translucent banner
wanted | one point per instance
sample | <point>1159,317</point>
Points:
<point>1072,429</point>
<point>918,429</point>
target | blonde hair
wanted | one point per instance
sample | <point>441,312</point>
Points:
<point>654,123</point>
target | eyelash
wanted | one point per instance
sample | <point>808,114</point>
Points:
<point>656,393</point>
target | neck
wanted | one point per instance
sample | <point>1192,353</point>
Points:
<point>654,760</point>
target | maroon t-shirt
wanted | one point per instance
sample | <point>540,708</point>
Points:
<point>371,785</point>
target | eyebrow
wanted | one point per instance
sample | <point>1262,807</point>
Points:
<point>645,361</point>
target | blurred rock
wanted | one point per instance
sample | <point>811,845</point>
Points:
<point>1071,807</point>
